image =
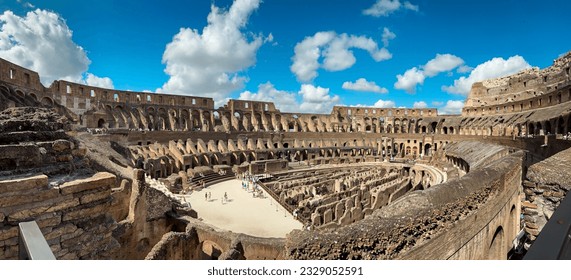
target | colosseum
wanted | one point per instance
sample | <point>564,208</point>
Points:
<point>111,174</point>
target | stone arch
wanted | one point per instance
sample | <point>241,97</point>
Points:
<point>547,129</point>
<point>46,101</point>
<point>496,251</point>
<point>101,123</point>
<point>33,96</point>
<point>560,125</point>
<point>531,129</point>
<point>209,250</point>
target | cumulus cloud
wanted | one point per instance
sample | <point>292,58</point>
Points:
<point>385,104</point>
<point>419,105</point>
<point>284,100</point>
<point>387,36</point>
<point>363,85</point>
<point>42,41</point>
<point>209,63</point>
<point>493,68</point>
<point>410,79</point>
<point>312,99</point>
<point>316,99</point>
<point>441,63</point>
<point>414,76</point>
<point>452,107</point>
<point>336,52</point>
<point>383,8</point>
<point>95,81</point>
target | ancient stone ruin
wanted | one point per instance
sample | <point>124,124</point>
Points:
<point>105,173</point>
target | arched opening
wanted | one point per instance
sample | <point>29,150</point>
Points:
<point>548,127</point>
<point>209,250</point>
<point>427,150</point>
<point>433,126</point>
<point>560,125</point>
<point>101,123</point>
<point>46,101</point>
<point>531,129</point>
<point>496,250</point>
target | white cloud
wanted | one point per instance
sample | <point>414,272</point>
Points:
<point>464,69</point>
<point>385,104</point>
<point>363,85</point>
<point>383,8</point>
<point>410,6</point>
<point>409,80</point>
<point>92,80</point>
<point>414,76</point>
<point>208,64</point>
<point>314,99</point>
<point>284,101</point>
<point>387,36</point>
<point>494,68</point>
<point>452,107</point>
<point>441,63</point>
<point>26,4</point>
<point>42,41</point>
<point>336,52</point>
<point>419,105</point>
<point>437,103</point>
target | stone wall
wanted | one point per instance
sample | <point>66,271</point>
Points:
<point>202,242</point>
<point>460,219</point>
<point>72,216</point>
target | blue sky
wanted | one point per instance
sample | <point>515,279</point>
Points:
<point>303,55</point>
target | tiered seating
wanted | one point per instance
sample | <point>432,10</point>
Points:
<point>210,179</point>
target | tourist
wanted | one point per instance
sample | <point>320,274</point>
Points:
<point>206,196</point>
<point>225,196</point>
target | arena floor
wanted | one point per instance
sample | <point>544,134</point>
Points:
<point>242,213</point>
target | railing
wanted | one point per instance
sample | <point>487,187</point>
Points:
<point>32,244</point>
<point>276,198</point>
<point>554,241</point>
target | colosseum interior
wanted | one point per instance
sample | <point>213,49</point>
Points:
<point>111,174</point>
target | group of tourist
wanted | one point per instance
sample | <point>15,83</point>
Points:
<point>223,200</point>
<point>249,184</point>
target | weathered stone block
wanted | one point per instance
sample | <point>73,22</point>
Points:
<point>71,235</point>
<point>2,216</point>
<point>59,231</point>
<point>528,184</point>
<point>64,158</point>
<point>23,184</point>
<point>61,146</point>
<point>85,212</point>
<point>49,220</point>
<point>94,197</point>
<point>80,152</point>
<point>48,206</point>
<point>526,204</point>
<point>531,225</point>
<point>10,242</point>
<point>327,216</point>
<point>8,233</point>
<point>99,180</point>
<point>26,198</point>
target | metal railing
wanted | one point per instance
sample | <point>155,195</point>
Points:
<point>554,241</point>
<point>32,243</point>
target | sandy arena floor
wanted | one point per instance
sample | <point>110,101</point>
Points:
<point>242,213</point>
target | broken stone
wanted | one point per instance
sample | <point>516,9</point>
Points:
<point>527,204</point>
